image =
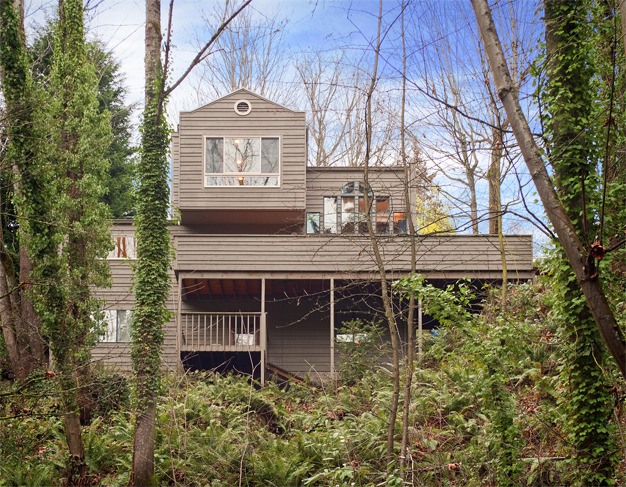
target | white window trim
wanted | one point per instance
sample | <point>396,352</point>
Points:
<point>279,174</point>
<point>131,244</point>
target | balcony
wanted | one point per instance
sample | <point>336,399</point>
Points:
<point>222,332</point>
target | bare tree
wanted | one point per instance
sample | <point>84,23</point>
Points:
<point>577,255</point>
<point>466,136</point>
<point>322,80</point>
<point>250,54</point>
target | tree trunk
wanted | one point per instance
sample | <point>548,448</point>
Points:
<point>143,447</point>
<point>18,320</point>
<point>574,249</point>
<point>384,282</point>
<point>151,274</point>
<point>622,12</point>
<point>409,205</point>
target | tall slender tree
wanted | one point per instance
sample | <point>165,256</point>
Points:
<point>152,281</point>
<point>569,208</point>
<point>25,149</point>
<point>73,260</point>
<point>153,252</point>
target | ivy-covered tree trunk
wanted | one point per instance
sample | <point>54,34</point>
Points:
<point>572,143</point>
<point>573,156</point>
<point>71,258</point>
<point>153,253</point>
<point>18,320</point>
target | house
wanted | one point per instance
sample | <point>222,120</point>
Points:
<point>271,256</point>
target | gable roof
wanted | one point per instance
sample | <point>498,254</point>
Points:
<point>247,93</point>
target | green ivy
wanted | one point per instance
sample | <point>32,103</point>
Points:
<point>152,280</point>
<point>575,99</point>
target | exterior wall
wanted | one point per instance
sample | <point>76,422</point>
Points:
<point>258,232</point>
<point>441,256</point>
<point>219,119</point>
<point>328,181</point>
<point>120,296</point>
<point>301,346</point>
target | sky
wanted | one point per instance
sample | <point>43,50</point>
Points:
<point>119,24</point>
<point>320,25</point>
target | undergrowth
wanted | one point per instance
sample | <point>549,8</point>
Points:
<point>485,411</point>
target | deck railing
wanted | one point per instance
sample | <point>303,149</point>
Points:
<point>223,332</point>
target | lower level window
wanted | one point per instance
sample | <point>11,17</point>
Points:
<point>312,222</point>
<point>116,324</point>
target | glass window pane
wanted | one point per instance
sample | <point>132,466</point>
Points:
<point>312,223</point>
<point>330,214</point>
<point>123,325</point>
<point>270,155</point>
<point>347,214</point>
<point>399,223</point>
<point>382,214</point>
<point>109,321</point>
<point>214,154</point>
<point>242,155</point>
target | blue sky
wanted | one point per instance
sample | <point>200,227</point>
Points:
<point>324,25</point>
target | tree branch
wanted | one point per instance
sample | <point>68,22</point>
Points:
<point>202,53</point>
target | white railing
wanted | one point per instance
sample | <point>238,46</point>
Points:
<point>212,332</point>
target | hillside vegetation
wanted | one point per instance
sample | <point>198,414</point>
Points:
<point>487,409</point>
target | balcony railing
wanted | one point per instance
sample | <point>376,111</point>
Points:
<point>222,332</point>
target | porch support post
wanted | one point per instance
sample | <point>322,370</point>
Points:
<point>263,332</point>
<point>332,329</point>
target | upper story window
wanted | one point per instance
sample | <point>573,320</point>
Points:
<point>125,247</point>
<point>242,161</point>
<point>347,213</point>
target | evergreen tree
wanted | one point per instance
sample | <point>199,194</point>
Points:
<point>111,93</point>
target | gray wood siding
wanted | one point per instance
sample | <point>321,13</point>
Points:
<point>448,256</point>
<point>328,181</point>
<point>219,119</point>
<point>120,296</point>
<point>298,338</point>
<point>175,171</point>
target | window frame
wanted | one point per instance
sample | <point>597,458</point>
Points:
<point>312,218</point>
<point>241,175</point>
<point>112,333</point>
<point>127,251</point>
<point>352,196</point>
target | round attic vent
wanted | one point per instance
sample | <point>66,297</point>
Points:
<point>242,107</point>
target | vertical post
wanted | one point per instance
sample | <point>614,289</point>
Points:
<point>332,328</point>
<point>263,331</point>
<point>420,336</point>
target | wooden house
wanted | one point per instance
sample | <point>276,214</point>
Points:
<point>271,256</point>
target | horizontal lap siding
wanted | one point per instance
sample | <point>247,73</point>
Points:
<point>299,253</point>
<point>322,182</point>
<point>219,119</point>
<point>120,296</point>
<point>299,345</point>
<point>175,171</point>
